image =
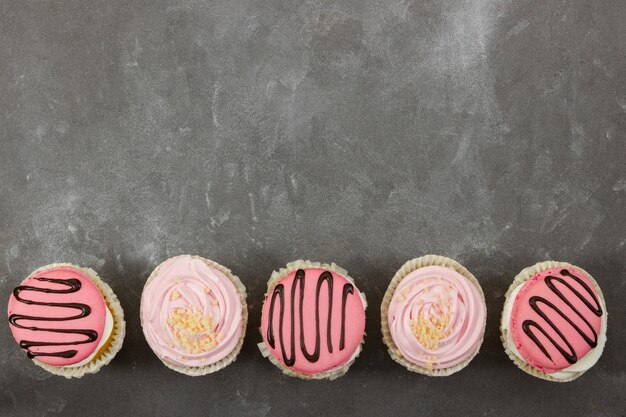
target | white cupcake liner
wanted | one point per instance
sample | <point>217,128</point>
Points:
<point>276,276</point>
<point>232,356</point>
<point>521,278</point>
<point>115,339</point>
<point>407,268</point>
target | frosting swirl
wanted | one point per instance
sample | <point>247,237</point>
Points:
<point>191,313</point>
<point>436,317</point>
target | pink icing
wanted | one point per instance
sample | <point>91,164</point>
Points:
<point>87,294</point>
<point>522,311</point>
<point>186,283</point>
<point>436,317</point>
<point>354,322</point>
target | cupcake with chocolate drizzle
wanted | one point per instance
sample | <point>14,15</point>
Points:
<point>194,314</point>
<point>433,316</point>
<point>67,320</point>
<point>312,321</point>
<point>554,321</point>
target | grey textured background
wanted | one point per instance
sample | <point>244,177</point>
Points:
<point>360,132</point>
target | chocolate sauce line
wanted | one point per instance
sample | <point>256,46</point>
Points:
<point>570,354</point>
<point>347,289</point>
<point>325,276</point>
<point>279,290</point>
<point>73,285</point>
<point>299,281</point>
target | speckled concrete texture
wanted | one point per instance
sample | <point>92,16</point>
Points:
<point>364,133</point>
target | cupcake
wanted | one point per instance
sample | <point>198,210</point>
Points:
<point>67,320</point>
<point>194,314</point>
<point>313,320</point>
<point>554,321</point>
<point>433,316</point>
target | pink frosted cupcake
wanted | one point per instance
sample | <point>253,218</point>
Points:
<point>554,321</point>
<point>67,320</point>
<point>433,316</point>
<point>194,314</point>
<point>313,320</point>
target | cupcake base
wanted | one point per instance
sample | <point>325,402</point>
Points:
<point>111,347</point>
<point>232,356</point>
<point>407,268</point>
<point>521,278</point>
<point>276,276</point>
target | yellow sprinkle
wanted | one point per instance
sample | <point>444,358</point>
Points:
<point>192,331</point>
<point>175,296</point>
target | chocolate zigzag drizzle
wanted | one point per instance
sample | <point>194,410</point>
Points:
<point>279,291</point>
<point>73,285</point>
<point>535,301</point>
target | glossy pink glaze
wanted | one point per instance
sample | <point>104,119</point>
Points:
<point>536,286</point>
<point>354,324</point>
<point>88,294</point>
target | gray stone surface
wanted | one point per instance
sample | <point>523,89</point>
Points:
<point>359,132</point>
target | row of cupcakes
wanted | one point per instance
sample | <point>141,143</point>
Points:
<point>194,316</point>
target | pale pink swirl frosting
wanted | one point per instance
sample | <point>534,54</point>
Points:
<point>437,317</point>
<point>191,314</point>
